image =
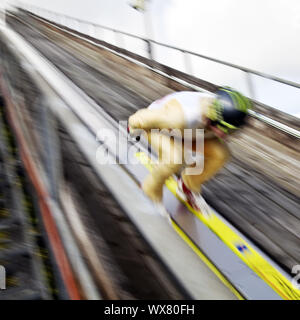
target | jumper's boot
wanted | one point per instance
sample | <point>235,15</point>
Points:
<point>194,199</point>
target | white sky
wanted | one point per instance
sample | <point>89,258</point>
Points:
<point>259,34</point>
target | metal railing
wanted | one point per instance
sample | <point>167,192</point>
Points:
<point>69,21</point>
<point>92,29</point>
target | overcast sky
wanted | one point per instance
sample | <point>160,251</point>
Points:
<point>259,34</point>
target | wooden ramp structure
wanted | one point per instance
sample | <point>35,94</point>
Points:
<point>258,190</point>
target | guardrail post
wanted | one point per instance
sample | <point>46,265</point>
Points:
<point>119,39</point>
<point>91,30</point>
<point>149,49</point>
<point>116,38</point>
<point>250,85</point>
<point>188,64</point>
<point>66,22</point>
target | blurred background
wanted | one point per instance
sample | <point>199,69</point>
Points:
<point>260,35</point>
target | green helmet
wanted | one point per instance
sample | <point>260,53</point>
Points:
<point>229,110</point>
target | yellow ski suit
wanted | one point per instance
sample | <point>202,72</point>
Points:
<point>180,110</point>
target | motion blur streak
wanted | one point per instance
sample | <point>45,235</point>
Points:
<point>87,230</point>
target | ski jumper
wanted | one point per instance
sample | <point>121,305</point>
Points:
<point>180,110</point>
